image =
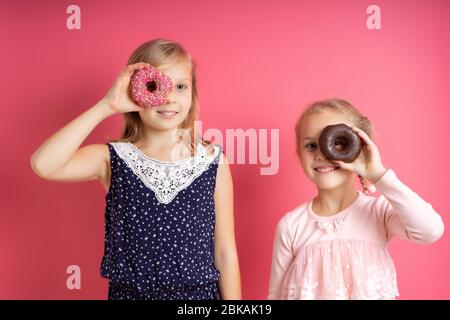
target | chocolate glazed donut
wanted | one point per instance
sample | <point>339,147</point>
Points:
<point>340,142</point>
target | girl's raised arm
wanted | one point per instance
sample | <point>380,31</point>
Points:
<point>60,156</point>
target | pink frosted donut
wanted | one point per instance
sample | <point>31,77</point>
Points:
<point>149,87</point>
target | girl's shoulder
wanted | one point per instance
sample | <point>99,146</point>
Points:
<point>291,222</point>
<point>99,152</point>
<point>102,152</point>
<point>211,148</point>
<point>210,152</point>
<point>291,217</point>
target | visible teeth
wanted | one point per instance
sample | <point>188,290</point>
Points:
<point>325,169</point>
<point>167,113</point>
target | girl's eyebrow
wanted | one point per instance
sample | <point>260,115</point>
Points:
<point>183,79</point>
<point>308,138</point>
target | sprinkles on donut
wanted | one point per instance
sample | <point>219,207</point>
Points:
<point>149,87</point>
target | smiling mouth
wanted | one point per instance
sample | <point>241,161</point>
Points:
<point>326,169</point>
<point>167,113</point>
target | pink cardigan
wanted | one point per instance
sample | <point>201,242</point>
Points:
<point>345,256</point>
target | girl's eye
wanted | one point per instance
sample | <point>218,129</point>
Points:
<point>181,86</point>
<point>311,146</point>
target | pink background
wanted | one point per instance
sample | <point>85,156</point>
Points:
<point>259,63</point>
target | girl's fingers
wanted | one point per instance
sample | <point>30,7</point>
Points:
<point>133,67</point>
<point>364,136</point>
<point>368,187</point>
<point>344,165</point>
<point>139,65</point>
<point>126,73</point>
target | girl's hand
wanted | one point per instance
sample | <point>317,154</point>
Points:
<point>118,98</point>
<point>368,165</point>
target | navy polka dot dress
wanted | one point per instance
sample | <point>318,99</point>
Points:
<point>159,226</point>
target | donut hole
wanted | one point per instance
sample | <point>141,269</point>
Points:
<point>151,86</point>
<point>341,144</point>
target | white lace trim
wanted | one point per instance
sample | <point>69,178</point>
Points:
<point>165,179</point>
<point>332,226</point>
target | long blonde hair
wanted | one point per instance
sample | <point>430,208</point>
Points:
<point>158,52</point>
<point>338,105</point>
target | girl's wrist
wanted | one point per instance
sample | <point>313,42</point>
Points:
<point>377,174</point>
<point>104,108</point>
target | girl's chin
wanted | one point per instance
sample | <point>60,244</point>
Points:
<point>328,186</point>
<point>327,183</point>
<point>165,125</point>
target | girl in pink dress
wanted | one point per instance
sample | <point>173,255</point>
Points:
<point>336,245</point>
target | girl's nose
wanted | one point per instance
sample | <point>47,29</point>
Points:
<point>171,98</point>
<point>319,155</point>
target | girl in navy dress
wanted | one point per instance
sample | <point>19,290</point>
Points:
<point>169,229</point>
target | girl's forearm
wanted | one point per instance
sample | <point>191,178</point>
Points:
<point>57,150</point>
<point>230,278</point>
<point>407,211</point>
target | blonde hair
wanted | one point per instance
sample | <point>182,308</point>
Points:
<point>337,105</point>
<point>158,52</point>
